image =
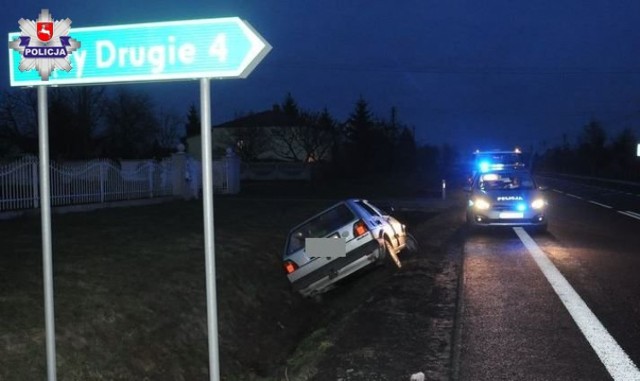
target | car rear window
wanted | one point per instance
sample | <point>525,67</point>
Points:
<point>321,226</point>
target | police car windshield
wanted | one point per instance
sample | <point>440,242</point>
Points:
<point>505,181</point>
<point>504,158</point>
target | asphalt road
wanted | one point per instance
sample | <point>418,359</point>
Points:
<point>561,305</point>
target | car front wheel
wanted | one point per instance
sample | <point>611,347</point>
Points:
<point>392,254</point>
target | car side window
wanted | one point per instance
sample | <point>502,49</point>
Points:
<point>368,208</point>
<point>378,210</point>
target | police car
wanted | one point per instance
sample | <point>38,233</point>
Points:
<point>505,195</point>
<point>498,159</point>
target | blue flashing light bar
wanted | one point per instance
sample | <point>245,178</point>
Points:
<point>486,166</point>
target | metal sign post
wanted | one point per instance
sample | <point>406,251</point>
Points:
<point>209,234</point>
<point>45,217</point>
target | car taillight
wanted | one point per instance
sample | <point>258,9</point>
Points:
<point>359,228</point>
<point>290,267</point>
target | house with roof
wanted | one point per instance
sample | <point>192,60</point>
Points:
<point>271,145</point>
<point>266,136</point>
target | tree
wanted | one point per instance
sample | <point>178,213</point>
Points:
<point>593,157</point>
<point>427,159</point>
<point>304,136</point>
<point>75,116</point>
<point>62,142</point>
<point>360,140</point>
<point>288,133</point>
<point>317,136</point>
<point>359,125</point>
<point>131,126</point>
<point>396,141</point>
<point>624,161</point>
<point>449,156</point>
<point>328,138</point>
<point>406,151</point>
<point>291,110</point>
<point>250,142</point>
<point>394,127</point>
<point>192,127</point>
<point>18,122</point>
<point>167,135</point>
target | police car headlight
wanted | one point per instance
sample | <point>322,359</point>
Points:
<point>481,204</point>
<point>538,203</point>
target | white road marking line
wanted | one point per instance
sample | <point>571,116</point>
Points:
<point>630,214</point>
<point>574,196</point>
<point>559,191</point>
<point>617,362</point>
<point>602,205</point>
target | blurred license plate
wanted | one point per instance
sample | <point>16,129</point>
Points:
<point>511,215</point>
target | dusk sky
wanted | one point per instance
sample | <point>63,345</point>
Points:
<point>490,74</point>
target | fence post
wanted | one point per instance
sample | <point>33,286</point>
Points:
<point>179,167</point>
<point>102,162</point>
<point>232,162</point>
<point>150,177</point>
<point>35,184</point>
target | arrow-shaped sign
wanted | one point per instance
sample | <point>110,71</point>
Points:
<point>207,48</point>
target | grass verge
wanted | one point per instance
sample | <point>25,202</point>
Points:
<point>130,292</point>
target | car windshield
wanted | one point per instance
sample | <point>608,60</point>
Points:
<point>320,226</point>
<point>493,158</point>
<point>509,180</point>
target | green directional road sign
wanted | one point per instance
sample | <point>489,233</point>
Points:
<point>208,48</point>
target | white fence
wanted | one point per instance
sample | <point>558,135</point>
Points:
<point>95,181</point>
<point>100,181</point>
<point>225,173</point>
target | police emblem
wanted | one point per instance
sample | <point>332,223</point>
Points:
<point>44,44</point>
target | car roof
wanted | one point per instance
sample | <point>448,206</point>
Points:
<point>498,150</point>
<point>349,201</point>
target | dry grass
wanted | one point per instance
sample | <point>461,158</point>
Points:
<point>130,295</point>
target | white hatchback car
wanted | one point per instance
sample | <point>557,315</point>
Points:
<point>370,236</point>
